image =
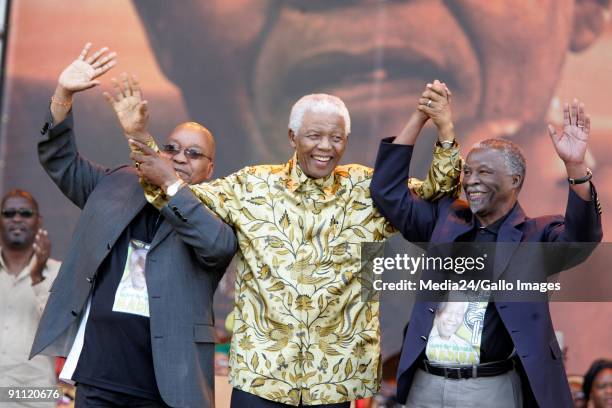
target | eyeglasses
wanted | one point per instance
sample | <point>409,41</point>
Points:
<point>23,213</point>
<point>190,152</point>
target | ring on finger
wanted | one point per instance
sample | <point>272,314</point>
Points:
<point>429,103</point>
<point>138,165</point>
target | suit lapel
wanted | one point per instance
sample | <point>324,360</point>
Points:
<point>456,226</point>
<point>164,229</point>
<point>510,238</point>
<point>134,201</point>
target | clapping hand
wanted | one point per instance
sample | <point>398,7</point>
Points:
<point>42,251</point>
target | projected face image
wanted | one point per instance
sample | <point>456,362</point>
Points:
<point>501,59</point>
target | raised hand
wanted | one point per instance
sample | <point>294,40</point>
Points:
<point>131,110</point>
<point>81,74</point>
<point>571,144</point>
<point>435,103</point>
<point>42,251</point>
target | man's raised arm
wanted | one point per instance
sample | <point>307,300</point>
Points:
<point>57,152</point>
<point>413,212</point>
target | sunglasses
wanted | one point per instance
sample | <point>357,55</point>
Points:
<point>23,213</point>
<point>190,152</point>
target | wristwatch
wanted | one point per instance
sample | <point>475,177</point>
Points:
<point>587,177</point>
<point>447,144</point>
<point>174,188</point>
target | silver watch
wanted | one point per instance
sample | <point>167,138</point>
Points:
<point>447,144</point>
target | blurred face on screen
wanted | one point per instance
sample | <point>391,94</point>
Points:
<point>500,58</point>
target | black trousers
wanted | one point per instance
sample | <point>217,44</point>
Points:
<point>88,396</point>
<point>242,399</point>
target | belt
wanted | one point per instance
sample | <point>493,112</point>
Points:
<point>474,371</point>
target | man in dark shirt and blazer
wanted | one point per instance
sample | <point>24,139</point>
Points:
<point>492,178</point>
<point>150,344</point>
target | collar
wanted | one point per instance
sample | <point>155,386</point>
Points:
<point>512,218</point>
<point>24,272</point>
<point>297,179</point>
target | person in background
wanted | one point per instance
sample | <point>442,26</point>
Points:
<point>26,275</point>
<point>597,386</point>
<point>575,383</point>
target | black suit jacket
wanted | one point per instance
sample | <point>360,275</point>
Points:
<point>528,323</point>
<point>186,260</point>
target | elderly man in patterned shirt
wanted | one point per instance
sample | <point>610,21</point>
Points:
<point>303,335</point>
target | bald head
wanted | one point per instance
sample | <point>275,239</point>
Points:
<point>197,128</point>
<point>191,147</point>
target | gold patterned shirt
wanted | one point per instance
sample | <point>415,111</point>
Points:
<point>302,331</point>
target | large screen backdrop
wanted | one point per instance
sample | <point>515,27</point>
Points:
<point>238,65</point>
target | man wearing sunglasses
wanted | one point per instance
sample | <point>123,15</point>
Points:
<point>150,343</point>
<point>26,274</point>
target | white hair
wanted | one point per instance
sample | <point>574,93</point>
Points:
<point>318,103</point>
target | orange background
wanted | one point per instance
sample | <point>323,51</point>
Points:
<point>44,36</point>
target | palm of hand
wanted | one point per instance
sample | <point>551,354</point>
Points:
<point>131,114</point>
<point>572,145</point>
<point>77,76</point>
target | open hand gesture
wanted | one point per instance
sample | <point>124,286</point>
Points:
<point>571,145</point>
<point>42,251</point>
<point>81,74</point>
<point>131,110</point>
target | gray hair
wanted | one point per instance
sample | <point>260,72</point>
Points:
<point>514,159</point>
<point>318,103</point>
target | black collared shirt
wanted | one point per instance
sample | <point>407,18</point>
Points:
<point>117,352</point>
<point>496,342</point>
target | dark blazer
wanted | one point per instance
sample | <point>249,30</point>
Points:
<point>528,323</point>
<point>187,258</point>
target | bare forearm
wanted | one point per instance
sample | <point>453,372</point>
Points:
<point>411,131</point>
<point>142,137</point>
<point>446,133</point>
<point>61,103</point>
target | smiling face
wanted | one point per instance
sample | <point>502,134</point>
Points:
<point>319,143</point>
<point>19,231</point>
<point>450,318</point>
<point>490,189</point>
<point>601,391</point>
<point>192,152</point>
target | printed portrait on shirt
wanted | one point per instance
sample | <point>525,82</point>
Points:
<point>131,296</point>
